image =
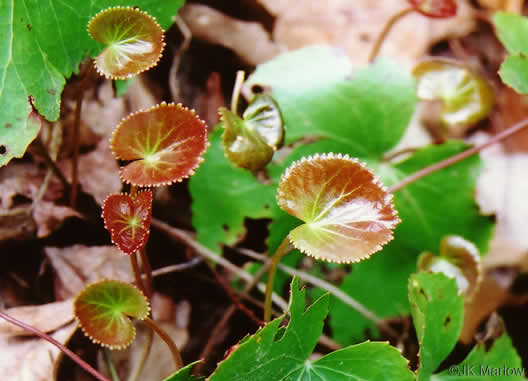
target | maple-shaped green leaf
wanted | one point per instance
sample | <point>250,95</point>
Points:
<point>511,30</point>
<point>250,142</point>
<point>438,315</point>
<point>458,259</point>
<point>347,212</point>
<point>165,144</point>
<point>133,40</point>
<point>485,363</point>
<point>435,8</point>
<point>223,196</point>
<point>104,309</point>
<point>41,44</point>
<point>275,353</point>
<point>466,96</point>
<point>127,218</point>
<point>184,374</point>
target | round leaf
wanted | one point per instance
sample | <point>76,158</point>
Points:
<point>348,213</point>
<point>165,143</point>
<point>459,259</point>
<point>104,309</point>
<point>435,8</point>
<point>133,39</point>
<point>250,142</point>
<point>128,220</point>
<point>466,97</point>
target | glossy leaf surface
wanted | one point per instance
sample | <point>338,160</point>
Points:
<point>133,40</point>
<point>42,44</point>
<point>438,315</point>
<point>276,353</point>
<point>250,141</point>
<point>128,220</point>
<point>348,213</point>
<point>466,97</point>
<point>164,143</point>
<point>104,309</point>
<point>511,30</point>
<point>458,259</point>
<point>435,8</point>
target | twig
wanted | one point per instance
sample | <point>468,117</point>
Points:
<point>83,364</point>
<point>461,156</point>
<point>179,267</point>
<point>51,164</point>
<point>385,31</point>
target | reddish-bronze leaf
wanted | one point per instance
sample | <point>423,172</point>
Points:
<point>128,220</point>
<point>104,309</point>
<point>435,8</point>
<point>348,213</point>
<point>133,39</point>
<point>164,143</point>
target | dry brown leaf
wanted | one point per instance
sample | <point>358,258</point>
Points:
<point>49,216</point>
<point>79,265</point>
<point>140,96</point>
<point>248,40</point>
<point>355,25</point>
<point>32,359</point>
<point>45,317</point>
<point>513,6</point>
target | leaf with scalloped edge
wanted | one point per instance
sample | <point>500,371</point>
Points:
<point>458,259</point>
<point>104,309</point>
<point>250,142</point>
<point>133,39</point>
<point>127,219</point>
<point>165,144</point>
<point>466,97</point>
<point>435,8</point>
<point>348,214</point>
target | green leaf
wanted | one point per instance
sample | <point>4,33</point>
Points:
<point>282,355</point>
<point>512,30</point>
<point>104,309</point>
<point>223,196</point>
<point>501,361</point>
<point>514,72</point>
<point>41,44</point>
<point>369,112</point>
<point>184,374</point>
<point>438,316</point>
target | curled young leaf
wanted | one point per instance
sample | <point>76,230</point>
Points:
<point>348,213</point>
<point>435,8</point>
<point>466,97</point>
<point>104,309</point>
<point>127,219</point>
<point>133,39</point>
<point>164,143</point>
<point>250,142</point>
<point>458,259</point>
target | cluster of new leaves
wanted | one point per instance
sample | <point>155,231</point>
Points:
<point>363,115</point>
<point>282,353</point>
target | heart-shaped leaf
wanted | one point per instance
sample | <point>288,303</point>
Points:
<point>127,219</point>
<point>466,97</point>
<point>133,39</point>
<point>348,213</point>
<point>458,259</point>
<point>104,309</point>
<point>435,8</point>
<point>166,144</point>
<point>250,142</point>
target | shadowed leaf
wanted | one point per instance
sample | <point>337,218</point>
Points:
<point>435,8</point>
<point>104,309</point>
<point>133,39</point>
<point>165,143</point>
<point>348,213</point>
<point>127,219</point>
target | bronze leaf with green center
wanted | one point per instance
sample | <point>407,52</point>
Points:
<point>104,309</point>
